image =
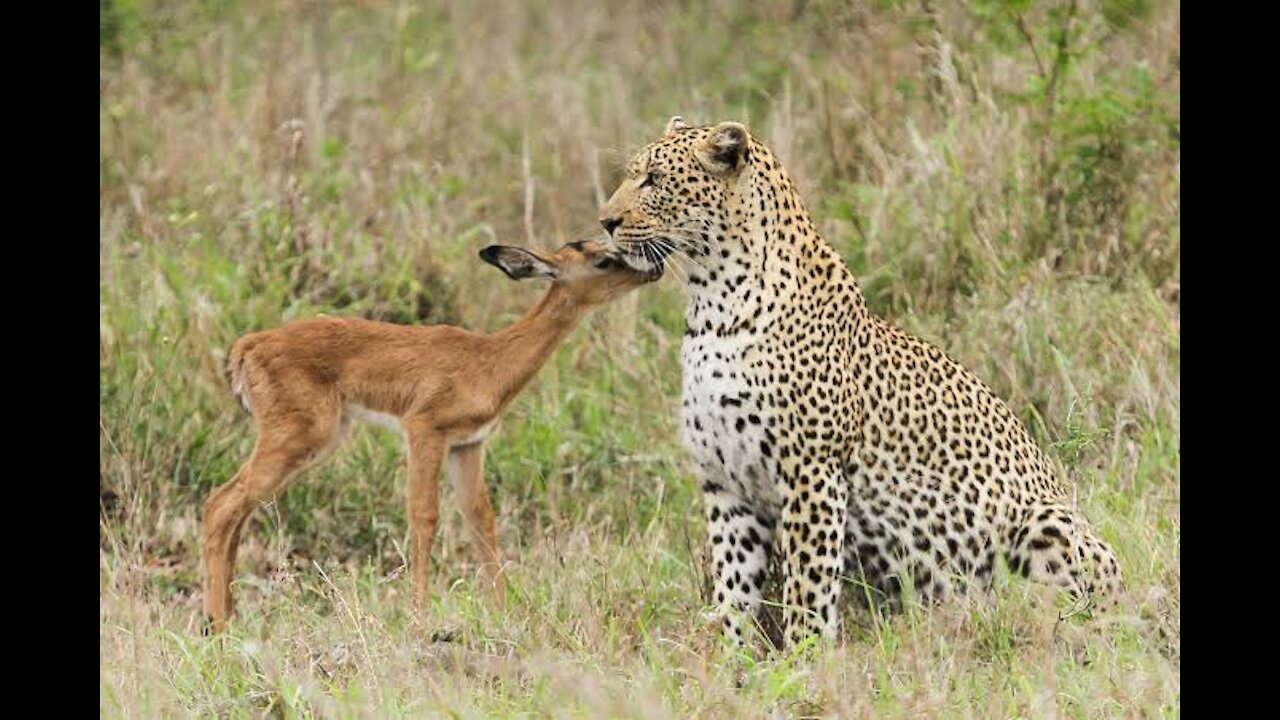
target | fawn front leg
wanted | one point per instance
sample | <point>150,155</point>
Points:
<point>426,452</point>
<point>466,468</point>
<point>811,537</point>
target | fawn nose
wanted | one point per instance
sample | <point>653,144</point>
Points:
<point>610,224</point>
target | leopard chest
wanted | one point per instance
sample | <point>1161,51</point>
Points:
<point>726,416</point>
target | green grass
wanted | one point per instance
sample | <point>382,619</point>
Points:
<point>262,161</point>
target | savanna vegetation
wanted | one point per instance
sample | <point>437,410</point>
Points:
<point>1002,175</point>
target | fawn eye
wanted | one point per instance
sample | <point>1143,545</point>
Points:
<point>606,262</point>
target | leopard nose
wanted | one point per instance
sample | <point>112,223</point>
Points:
<point>610,224</point>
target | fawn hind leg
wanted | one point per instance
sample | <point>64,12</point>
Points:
<point>285,449</point>
<point>466,470</point>
<point>1056,546</point>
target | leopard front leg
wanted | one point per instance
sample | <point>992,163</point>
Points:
<point>811,537</point>
<point>739,544</point>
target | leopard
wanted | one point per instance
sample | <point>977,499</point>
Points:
<point>829,443</point>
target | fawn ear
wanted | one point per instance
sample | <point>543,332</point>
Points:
<point>725,150</point>
<point>674,125</point>
<point>518,263</point>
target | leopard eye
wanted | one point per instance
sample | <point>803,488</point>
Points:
<point>648,181</point>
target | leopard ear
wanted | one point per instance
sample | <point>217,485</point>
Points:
<point>675,124</point>
<point>726,150</point>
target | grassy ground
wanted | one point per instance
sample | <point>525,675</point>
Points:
<point>1003,176</point>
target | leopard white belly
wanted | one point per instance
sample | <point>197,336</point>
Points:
<point>724,423</point>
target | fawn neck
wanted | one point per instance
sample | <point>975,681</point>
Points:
<point>522,348</point>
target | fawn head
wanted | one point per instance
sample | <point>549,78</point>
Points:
<point>590,273</point>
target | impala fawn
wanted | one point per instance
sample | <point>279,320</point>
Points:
<point>444,387</point>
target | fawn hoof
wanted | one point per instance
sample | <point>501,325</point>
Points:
<point>212,626</point>
<point>446,635</point>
